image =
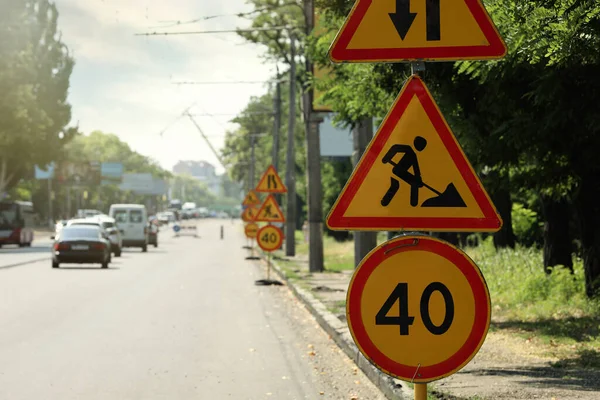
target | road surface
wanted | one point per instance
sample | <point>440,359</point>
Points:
<point>183,321</point>
<point>14,256</point>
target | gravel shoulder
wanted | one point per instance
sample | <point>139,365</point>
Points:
<point>510,364</point>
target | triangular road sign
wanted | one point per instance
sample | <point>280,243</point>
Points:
<point>271,182</point>
<point>403,30</point>
<point>249,214</point>
<point>414,176</point>
<point>251,199</point>
<point>270,211</point>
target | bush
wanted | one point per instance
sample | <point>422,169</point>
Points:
<point>520,289</point>
<point>526,225</point>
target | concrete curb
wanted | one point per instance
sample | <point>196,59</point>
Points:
<point>393,389</point>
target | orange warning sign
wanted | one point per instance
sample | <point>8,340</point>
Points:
<point>251,230</point>
<point>269,238</point>
<point>251,199</point>
<point>249,214</point>
<point>414,175</point>
<point>271,182</point>
<point>270,211</point>
<point>402,30</point>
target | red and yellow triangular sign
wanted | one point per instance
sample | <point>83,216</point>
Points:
<point>251,199</point>
<point>270,182</point>
<point>270,211</point>
<point>403,30</point>
<point>414,176</point>
<point>249,214</point>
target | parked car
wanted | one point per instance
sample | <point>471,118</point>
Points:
<point>80,244</point>
<point>132,220</point>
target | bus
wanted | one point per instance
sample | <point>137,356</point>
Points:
<point>16,223</point>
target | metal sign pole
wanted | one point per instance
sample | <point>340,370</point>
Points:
<point>420,391</point>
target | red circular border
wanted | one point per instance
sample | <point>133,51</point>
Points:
<point>246,231</point>
<point>480,294</point>
<point>279,243</point>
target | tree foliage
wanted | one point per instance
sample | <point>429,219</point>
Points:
<point>35,67</point>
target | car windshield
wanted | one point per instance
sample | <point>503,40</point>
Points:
<point>79,232</point>
<point>135,216</point>
<point>120,216</point>
<point>87,223</point>
<point>8,215</point>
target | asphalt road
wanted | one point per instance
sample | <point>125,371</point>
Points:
<point>183,321</point>
<point>13,256</point>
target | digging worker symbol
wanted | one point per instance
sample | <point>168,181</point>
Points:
<point>449,198</point>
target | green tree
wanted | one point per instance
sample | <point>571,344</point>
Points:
<point>35,67</point>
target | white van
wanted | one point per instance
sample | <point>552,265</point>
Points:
<point>132,221</point>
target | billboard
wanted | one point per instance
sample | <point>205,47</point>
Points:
<point>44,173</point>
<point>144,183</point>
<point>335,142</point>
<point>111,172</point>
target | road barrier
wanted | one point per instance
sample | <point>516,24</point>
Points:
<point>185,230</point>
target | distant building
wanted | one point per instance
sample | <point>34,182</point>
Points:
<point>201,170</point>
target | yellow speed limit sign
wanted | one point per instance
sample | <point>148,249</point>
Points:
<point>269,238</point>
<point>250,230</point>
<point>418,308</point>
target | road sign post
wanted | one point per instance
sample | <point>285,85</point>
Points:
<point>414,175</point>
<point>269,238</point>
<point>409,181</point>
<point>418,308</point>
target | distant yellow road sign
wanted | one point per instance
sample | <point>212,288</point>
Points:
<point>270,182</point>
<point>249,214</point>
<point>404,30</point>
<point>414,176</point>
<point>251,199</point>
<point>418,308</point>
<point>270,211</point>
<point>269,238</point>
<point>251,230</point>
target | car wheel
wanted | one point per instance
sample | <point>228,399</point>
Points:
<point>21,244</point>
<point>55,264</point>
<point>144,248</point>
<point>156,244</point>
<point>118,252</point>
<point>109,258</point>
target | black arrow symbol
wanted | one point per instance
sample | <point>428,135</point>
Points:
<point>432,9</point>
<point>402,18</point>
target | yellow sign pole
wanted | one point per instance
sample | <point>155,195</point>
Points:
<point>269,266</point>
<point>420,391</point>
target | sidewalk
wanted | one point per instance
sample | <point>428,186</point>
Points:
<point>506,367</point>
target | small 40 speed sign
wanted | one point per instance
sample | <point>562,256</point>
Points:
<point>418,308</point>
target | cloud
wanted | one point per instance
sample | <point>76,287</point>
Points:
<point>123,83</point>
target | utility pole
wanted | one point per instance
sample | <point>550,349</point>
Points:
<point>50,216</point>
<point>313,164</point>
<point>362,133</point>
<point>252,162</point>
<point>290,173</point>
<point>276,121</point>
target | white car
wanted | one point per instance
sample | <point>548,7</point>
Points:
<point>114,234</point>
<point>132,221</point>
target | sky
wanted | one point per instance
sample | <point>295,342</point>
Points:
<point>125,84</point>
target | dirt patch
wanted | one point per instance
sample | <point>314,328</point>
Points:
<point>509,367</point>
